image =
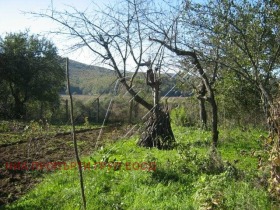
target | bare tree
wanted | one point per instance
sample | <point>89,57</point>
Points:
<point>119,39</point>
<point>177,38</point>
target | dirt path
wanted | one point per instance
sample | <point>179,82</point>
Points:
<point>15,183</point>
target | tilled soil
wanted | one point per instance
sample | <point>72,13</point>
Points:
<point>15,183</point>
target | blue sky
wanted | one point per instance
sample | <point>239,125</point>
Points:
<point>14,20</point>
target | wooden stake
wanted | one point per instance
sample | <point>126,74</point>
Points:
<point>74,136</point>
<point>98,107</point>
<point>66,110</point>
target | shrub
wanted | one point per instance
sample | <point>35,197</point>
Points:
<point>179,116</point>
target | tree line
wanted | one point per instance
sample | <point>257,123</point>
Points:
<point>30,72</point>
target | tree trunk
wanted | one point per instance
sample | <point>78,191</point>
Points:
<point>268,107</point>
<point>158,132</point>
<point>130,111</point>
<point>18,108</point>
<point>136,97</point>
<point>18,104</point>
<point>202,114</point>
<point>202,109</point>
<point>66,110</point>
<point>215,132</point>
<point>98,110</point>
<point>211,99</point>
<point>156,98</point>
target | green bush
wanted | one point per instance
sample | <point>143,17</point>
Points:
<point>179,116</point>
<point>223,192</point>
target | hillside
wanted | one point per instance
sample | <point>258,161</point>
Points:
<point>89,79</point>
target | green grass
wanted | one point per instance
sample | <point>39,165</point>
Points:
<point>187,177</point>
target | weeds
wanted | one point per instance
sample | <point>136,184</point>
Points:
<point>191,176</point>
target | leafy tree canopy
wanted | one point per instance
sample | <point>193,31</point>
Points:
<point>31,69</point>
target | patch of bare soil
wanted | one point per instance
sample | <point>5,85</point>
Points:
<point>15,183</point>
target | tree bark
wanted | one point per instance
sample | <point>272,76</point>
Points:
<point>18,108</point>
<point>202,108</point>
<point>130,111</point>
<point>158,132</point>
<point>215,132</point>
<point>97,110</point>
<point>202,114</point>
<point>268,107</point>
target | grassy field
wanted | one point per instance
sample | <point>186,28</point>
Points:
<point>190,176</point>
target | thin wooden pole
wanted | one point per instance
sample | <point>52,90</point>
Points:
<point>66,110</point>
<point>74,136</point>
<point>98,107</point>
<point>130,110</point>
